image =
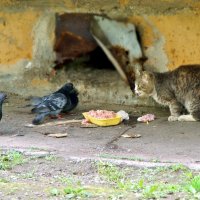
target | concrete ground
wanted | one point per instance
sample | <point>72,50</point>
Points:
<point>161,142</point>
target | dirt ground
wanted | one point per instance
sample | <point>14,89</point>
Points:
<point>161,144</point>
<point>160,140</point>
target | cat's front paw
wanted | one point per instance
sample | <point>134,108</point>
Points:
<point>186,118</point>
<point>172,118</point>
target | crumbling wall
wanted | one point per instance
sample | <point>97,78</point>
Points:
<point>169,31</point>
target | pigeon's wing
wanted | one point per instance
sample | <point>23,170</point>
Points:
<point>54,102</point>
<point>35,101</point>
<point>41,108</point>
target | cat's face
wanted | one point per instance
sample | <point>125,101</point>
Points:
<point>144,85</point>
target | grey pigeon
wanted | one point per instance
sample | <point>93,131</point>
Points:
<point>52,105</point>
<point>2,98</point>
<point>68,90</point>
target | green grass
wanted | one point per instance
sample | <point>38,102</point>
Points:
<point>127,183</point>
<point>11,159</point>
<point>51,158</point>
<point>28,175</point>
<point>194,186</point>
<point>110,172</point>
<point>73,189</point>
<point>78,192</point>
<point>2,180</point>
<point>150,184</point>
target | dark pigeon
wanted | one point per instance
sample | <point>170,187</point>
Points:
<point>72,96</point>
<point>2,98</point>
<point>68,90</point>
<point>51,105</point>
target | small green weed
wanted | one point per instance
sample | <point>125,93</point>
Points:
<point>50,158</point>
<point>2,180</point>
<point>110,172</point>
<point>178,167</point>
<point>79,192</point>
<point>54,192</point>
<point>159,190</point>
<point>28,175</point>
<point>73,189</point>
<point>11,159</point>
<point>194,185</point>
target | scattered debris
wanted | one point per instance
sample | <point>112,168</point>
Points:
<point>18,134</point>
<point>111,144</point>
<point>124,115</point>
<point>55,123</point>
<point>146,118</point>
<point>38,154</point>
<point>58,135</point>
<point>86,124</point>
<point>126,135</point>
<point>89,125</point>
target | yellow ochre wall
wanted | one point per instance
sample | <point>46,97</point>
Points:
<point>179,30</point>
<point>16,35</point>
<point>169,30</point>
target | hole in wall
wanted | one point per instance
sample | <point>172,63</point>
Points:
<point>74,41</point>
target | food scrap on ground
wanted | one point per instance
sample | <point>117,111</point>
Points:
<point>87,124</point>
<point>126,135</point>
<point>146,118</point>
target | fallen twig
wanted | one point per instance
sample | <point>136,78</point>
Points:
<point>56,123</point>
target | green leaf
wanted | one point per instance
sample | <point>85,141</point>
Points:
<point>55,192</point>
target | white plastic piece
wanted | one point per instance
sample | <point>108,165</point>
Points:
<point>124,115</point>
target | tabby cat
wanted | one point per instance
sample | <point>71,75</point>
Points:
<point>178,89</point>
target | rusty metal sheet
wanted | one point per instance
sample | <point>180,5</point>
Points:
<point>73,37</point>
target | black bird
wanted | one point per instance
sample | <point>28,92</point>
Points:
<point>72,96</point>
<point>63,100</point>
<point>68,90</point>
<point>2,98</point>
<point>52,105</point>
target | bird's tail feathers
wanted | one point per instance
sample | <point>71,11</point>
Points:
<point>28,105</point>
<point>36,101</point>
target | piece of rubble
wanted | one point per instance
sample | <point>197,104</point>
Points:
<point>58,135</point>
